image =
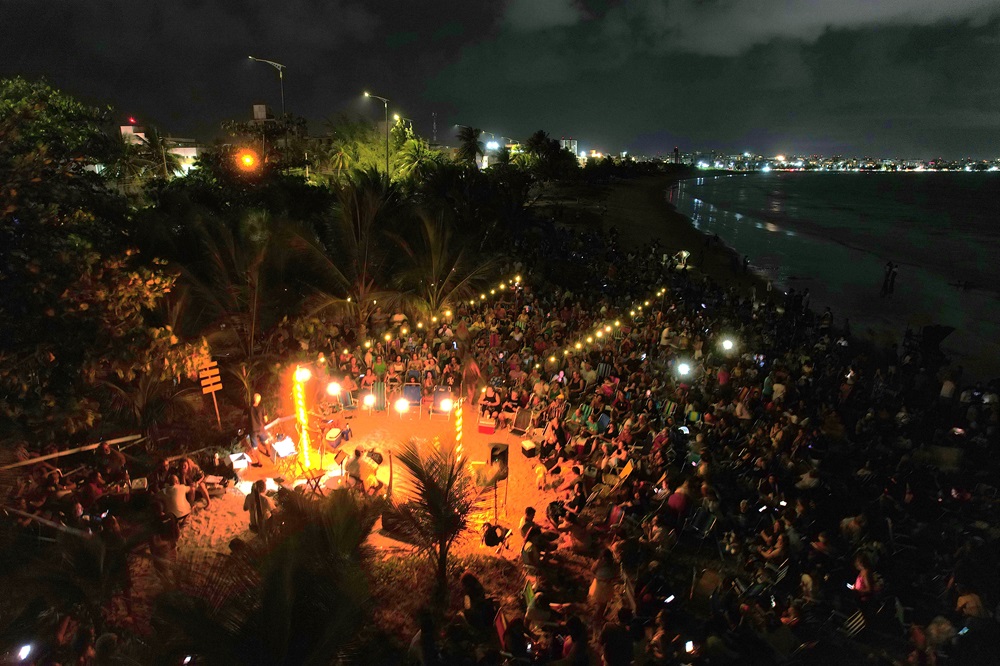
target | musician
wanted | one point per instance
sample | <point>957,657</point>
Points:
<point>352,468</point>
<point>258,429</point>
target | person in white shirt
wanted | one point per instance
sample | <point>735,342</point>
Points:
<point>352,468</point>
<point>175,498</point>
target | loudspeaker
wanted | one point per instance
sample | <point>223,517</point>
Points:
<point>500,456</point>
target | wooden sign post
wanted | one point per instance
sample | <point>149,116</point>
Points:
<point>210,383</point>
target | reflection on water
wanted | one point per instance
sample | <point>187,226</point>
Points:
<point>837,249</point>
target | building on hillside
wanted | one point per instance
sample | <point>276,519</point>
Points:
<point>570,145</point>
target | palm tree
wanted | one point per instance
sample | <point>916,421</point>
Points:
<point>156,149</point>
<point>438,272</point>
<point>126,163</point>
<point>440,495</point>
<point>299,601</point>
<point>416,159</point>
<point>470,148</point>
<point>237,291</point>
<point>537,144</point>
<point>350,255</point>
<point>149,401</point>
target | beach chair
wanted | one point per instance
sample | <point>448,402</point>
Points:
<point>412,395</point>
<point>602,423</point>
<point>347,401</point>
<point>522,422</point>
<point>378,390</point>
<point>440,393</point>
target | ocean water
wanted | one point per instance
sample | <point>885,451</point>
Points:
<point>834,232</point>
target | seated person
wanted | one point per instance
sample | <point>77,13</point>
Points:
<point>91,491</point>
<point>489,404</point>
<point>175,498</point>
<point>192,477</point>
<point>393,380</point>
<point>428,385</point>
<point>348,384</point>
<point>352,468</point>
<point>110,463</point>
<point>159,477</point>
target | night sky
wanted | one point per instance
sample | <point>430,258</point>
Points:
<point>896,78</point>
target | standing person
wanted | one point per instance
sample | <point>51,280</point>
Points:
<point>885,279</point>
<point>258,430</point>
<point>602,588</point>
<point>470,377</point>
<point>892,279</point>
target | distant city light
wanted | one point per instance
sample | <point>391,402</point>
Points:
<point>492,145</point>
<point>766,167</point>
<point>780,158</point>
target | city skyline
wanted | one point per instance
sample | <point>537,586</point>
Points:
<point>914,79</point>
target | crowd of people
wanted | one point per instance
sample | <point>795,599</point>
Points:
<point>813,477</point>
<point>824,492</point>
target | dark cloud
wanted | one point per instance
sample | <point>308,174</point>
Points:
<point>911,77</point>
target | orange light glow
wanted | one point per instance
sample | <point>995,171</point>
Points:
<point>247,159</point>
<point>302,375</point>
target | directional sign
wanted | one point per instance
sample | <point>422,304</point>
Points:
<point>210,379</point>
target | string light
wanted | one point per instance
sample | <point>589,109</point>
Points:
<point>301,376</point>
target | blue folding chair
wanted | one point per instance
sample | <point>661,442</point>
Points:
<point>602,423</point>
<point>347,401</point>
<point>440,393</point>
<point>412,395</point>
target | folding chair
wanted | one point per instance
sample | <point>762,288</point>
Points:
<point>378,390</point>
<point>522,422</point>
<point>413,396</point>
<point>602,422</point>
<point>440,394</point>
<point>347,401</point>
<point>851,626</point>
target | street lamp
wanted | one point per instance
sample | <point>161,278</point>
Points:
<point>385,103</point>
<point>281,78</point>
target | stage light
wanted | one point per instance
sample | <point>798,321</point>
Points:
<point>447,313</point>
<point>303,374</point>
<point>369,401</point>
<point>24,652</point>
<point>589,340</point>
<point>617,323</point>
<point>402,405</point>
<point>420,324</point>
<point>631,313</point>
<point>600,334</point>
<point>552,359</point>
<point>482,297</point>
<point>517,278</point>
<point>446,405</point>
<point>404,331</point>
<point>727,344</point>
<point>683,369</point>
<point>434,318</point>
<point>502,286</point>
<point>607,329</point>
<point>493,292</point>
<point>388,337</point>
<point>368,344</point>
<point>578,346</point>
<point>333,388</point>
<point>347,351</point>
<point>646,304</point>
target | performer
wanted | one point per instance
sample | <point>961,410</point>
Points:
<point>258,430</point>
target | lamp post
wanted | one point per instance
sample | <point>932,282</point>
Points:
<point>281,78</point>
<point>385,103</point>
